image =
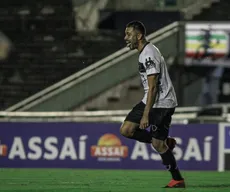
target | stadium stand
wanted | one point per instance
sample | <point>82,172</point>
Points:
<point>46,46</point>
<point>219,11</point>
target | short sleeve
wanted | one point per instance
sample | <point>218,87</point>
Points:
<point>152,65</point>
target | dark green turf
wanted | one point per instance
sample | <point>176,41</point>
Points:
<point>70,180</point>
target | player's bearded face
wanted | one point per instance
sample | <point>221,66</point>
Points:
<point>131,38</point>
<point>133,43</point>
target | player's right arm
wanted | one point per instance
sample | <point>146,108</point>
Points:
<point>152,67</point>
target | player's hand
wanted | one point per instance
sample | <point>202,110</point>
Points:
<point>144,122</point>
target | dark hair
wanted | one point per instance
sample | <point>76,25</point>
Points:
<point>137,25</point>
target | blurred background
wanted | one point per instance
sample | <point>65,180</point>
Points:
<point>52,40</point>
<point>65,62</point>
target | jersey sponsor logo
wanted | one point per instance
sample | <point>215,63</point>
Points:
<point>149,63</point>
<point>143,79</point>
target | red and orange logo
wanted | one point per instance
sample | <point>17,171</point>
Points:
<point>109,145</point>
<point>3,150</point>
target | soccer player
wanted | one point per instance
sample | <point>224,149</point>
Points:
<point>158,104</point>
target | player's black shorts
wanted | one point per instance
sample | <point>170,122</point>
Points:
<point>159,119</point>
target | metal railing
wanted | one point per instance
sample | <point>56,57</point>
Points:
<point>182,115</point>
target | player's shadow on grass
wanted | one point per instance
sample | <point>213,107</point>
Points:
<point>175,190</point>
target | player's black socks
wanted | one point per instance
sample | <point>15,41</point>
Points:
<point>142,135</point>
<point>170,162</point>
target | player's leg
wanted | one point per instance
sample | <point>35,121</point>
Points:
<point>160,129</point>
<point>130,127</point>
<point>131,130</point>
<point>171,143</point>
<point>169,161</point>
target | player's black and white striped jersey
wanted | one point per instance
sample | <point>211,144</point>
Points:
<point>152,62</point>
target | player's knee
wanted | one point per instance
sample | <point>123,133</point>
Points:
<point>126,131</point>
<point>159,145</point>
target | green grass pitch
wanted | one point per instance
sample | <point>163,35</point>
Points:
<point>75,180</point>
